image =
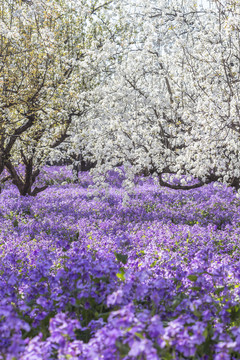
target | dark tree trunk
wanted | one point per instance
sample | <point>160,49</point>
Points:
<point>76,167</point>
<point>79,164</point>
<point>25,184</point>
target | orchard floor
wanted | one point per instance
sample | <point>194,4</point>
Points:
<point>90,278</point>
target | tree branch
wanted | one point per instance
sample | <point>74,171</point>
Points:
<point>38,190</point>
<point>18,132</point>
<point>180,187</point>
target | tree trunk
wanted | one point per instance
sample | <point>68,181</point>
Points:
<point>25,184</point>
<point>76,167</point>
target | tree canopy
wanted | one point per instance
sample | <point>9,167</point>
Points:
<point>50,58</point>
<point>151,85</point>
<point>174,106</point>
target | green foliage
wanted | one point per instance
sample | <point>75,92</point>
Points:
<point>121,274</point>
<point>192,277</point>
<point>123,258</point>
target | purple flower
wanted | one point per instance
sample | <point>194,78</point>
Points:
<point>143,346</point>
<point>222,356</point>
<point>156,327</point>
<point>115,298</point>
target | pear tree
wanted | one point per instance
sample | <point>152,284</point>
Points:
<point>173,107</point>
<point>51,54</point>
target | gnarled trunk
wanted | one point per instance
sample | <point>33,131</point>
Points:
<point>25,184</point>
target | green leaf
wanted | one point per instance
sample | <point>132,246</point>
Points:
<point>197,312</point>
<point>121,257</point>
<point>97,280</point>
<point>179,285</point>
<point>192,277</point>
<point>75,237</point>
<point>64,257</point>
<point>121,274</point>
<point>235,313</point>
<point>195,288</point>
<point>104,315</point>
<point>219,289</point>
<point>153,264</point>
<point>122,348</point>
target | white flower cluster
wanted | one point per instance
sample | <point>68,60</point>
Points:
<point>172,104</point>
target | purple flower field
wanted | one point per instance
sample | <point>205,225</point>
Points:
<point>89,278</point>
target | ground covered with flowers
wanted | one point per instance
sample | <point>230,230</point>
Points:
<point>92,278</point>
